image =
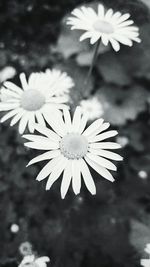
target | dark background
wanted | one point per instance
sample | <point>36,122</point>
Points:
<point>113,227</point>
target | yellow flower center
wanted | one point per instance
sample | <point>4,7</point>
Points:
<point>103,26</point>
<point>74,146</point>
<point>32,100</point>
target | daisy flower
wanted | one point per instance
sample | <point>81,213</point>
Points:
<point>93,107</point>
<point>70,148</point>
<point>43,93</point>
<point>32,261</point>
<point>112,27</point>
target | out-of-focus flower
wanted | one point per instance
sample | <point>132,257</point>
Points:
<point>32,261</point>
<point>14,228</point>
<point>143,175</point>
<point>71,148</point>
<point>146,262</point>
<point>42,94</point>
<point>120,105</point>
<point>25,248</point>
<point>93,107</point>
<point>7,73</point>
<point>112,27</point>
<point>122,140</point>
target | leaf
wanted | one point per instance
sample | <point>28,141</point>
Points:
<point>112,70</point>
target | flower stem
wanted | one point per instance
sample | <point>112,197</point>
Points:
<point>93,62</point>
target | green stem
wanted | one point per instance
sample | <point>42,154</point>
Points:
<point>93,62</point>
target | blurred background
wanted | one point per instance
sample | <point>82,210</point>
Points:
<point>113,227</point>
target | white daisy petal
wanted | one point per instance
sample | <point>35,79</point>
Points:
<point>76,120</point>
<point>45,145</point>
<point>23,81</point>
<point>51,165</point>
<point>93,127</point>
<point>9,114</point>
<point>109,14</point>
<point>115,44</point>
<point>37,138</point>
<point>123,17</point>
<point>56,172</point>
<point>88,180</point>
<point>106,154</point>
<point>101,11</point>
<point>105,145</point>
<point>17,117</point>
<point>13,87</point>
<point>102,162</point>
<point>45,156</point>
<point>11,93</point>
<point>126,23</point>
<point>99,169</point>
<point>66,180</point>
<point>101,128</point>
<point>40,118</point>
<point>102,136</point>
<point>8,106</point>
<point>116,15</point>
<point>83,123</point>
<point>123,39</point>
<point>47,132</point>
<point>76,176</point>
<point>56,122</point>
<point>67,119</point>
<point>105,39</point>
<point>23,123</point>
<point>95,38</point>
<point>31,122</point>
<point>85,35</point>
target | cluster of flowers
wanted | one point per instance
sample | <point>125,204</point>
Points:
<point>40,105</point>
<point>30,259</point>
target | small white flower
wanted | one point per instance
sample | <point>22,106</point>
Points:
<point>93,107</point>
<point>7,73</point>
<point>112,27</point>
<point>32,261</point>
<point>70,149</point>
<point>42,94</point>
<point>143,175</point>
<point>14,228</point>
<point>122,140</point>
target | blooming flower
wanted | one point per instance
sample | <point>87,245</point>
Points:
<point>146,262</point>
<point>32,261</point>
<point>110,26</point>
<point>25,248</point>
<point>42,93</point>
<point>70,148</point>
<point>93,107</point>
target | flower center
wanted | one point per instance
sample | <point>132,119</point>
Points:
<point>103,26</point>
<point>32,100</point>
<point>74,146</point>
